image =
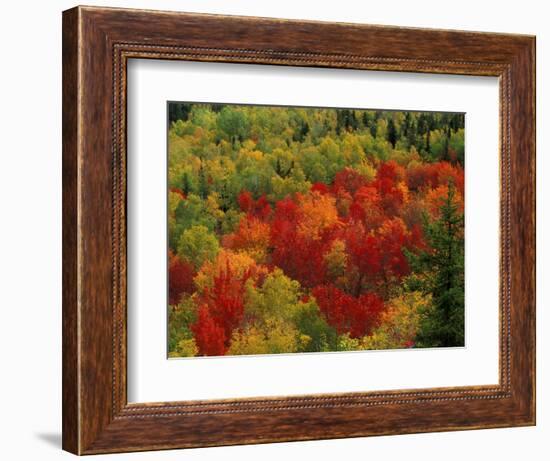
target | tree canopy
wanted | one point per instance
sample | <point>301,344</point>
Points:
<point>307,230</point>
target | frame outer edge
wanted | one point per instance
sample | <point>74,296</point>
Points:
<point>523,233</point>
<point>533,146</point>
<point>70,210</point>
<point>533,55</point>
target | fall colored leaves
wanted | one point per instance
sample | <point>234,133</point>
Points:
<point>295,264</point>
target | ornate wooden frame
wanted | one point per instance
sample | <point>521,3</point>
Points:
<point>97,43</point>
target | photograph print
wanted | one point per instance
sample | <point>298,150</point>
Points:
<point>302,229</point>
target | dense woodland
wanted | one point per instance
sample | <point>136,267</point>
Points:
<point>309,230</point>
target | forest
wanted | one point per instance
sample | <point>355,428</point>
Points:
<point>297,229</point>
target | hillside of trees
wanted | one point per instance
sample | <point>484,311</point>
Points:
<point>311,230</point>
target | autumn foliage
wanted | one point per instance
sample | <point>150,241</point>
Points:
<point>348,314</point>
<point>180,274</point>
<point>294,231</point>
<point>221,311</point>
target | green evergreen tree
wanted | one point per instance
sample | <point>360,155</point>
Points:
<point>406,126</point>
<point>186,183</point>
<point>178,111</point>
<point>412,131</point>
<point>428,142</point>
<point>392,132</point>
<point>440,272</point>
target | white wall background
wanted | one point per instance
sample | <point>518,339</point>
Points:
<point>30,229</point>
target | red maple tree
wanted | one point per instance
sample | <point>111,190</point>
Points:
<point>357,316</point>
<point>221,310</point>
<point>180,276</point>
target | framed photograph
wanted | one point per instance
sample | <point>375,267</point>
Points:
<point>281,230</point>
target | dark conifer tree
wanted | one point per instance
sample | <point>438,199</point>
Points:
<point>392,133</point>
<point>440,273</point>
